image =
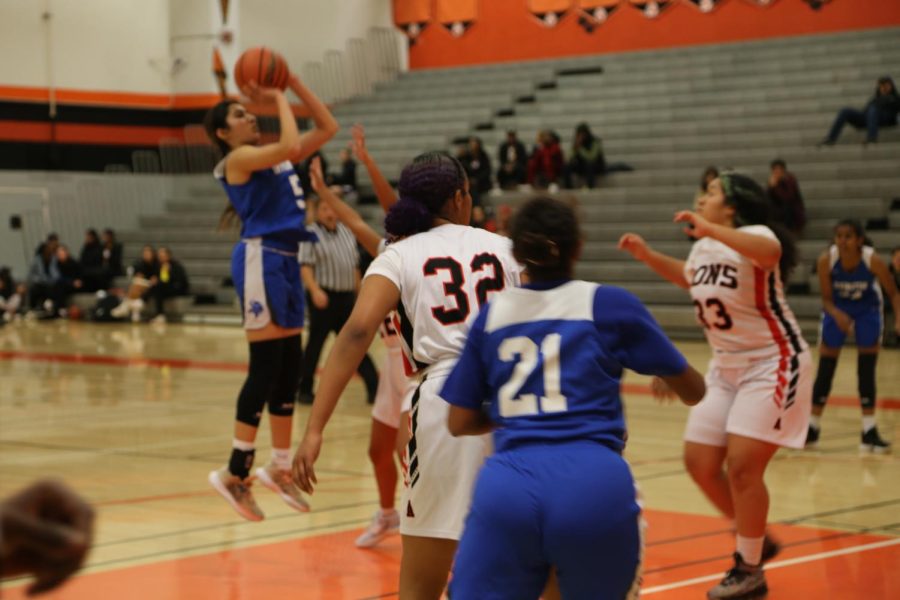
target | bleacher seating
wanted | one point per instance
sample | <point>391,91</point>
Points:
<point>669,113</point>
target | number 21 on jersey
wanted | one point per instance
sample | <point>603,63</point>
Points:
<point>527,354</point>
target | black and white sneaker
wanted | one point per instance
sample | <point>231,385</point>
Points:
<point>872,442</point>
<point>812,437</point>
<point>741,582</point>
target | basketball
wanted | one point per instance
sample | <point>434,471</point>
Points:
<point>262,65</point>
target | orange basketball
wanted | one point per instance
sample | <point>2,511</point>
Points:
<point>262,65</point>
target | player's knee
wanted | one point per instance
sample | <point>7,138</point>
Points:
<point>281,402</point>
<point>824,377</point>
<point>701,469</point>
<point>265,365</point>
<point>865,369</point>
<point>743,473</point>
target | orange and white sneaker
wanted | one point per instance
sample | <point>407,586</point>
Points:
<point>282,483</point>
<point>237,493</point>
<point>383,524</point>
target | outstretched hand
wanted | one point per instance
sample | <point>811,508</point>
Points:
<point>634,245</point>
<point>316,178</point>
<point>359,142</point>
<point>48,530</point>
<point>304,461</point>
<point>698,227</point>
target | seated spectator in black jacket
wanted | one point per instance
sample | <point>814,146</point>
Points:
<point>347,177</point>
<point>91,259</point>
<point>880,111</point>
<point>112,257</point>
<point>144,275</point>
<point>787,202</point>
<point>70,274</point>
<point>586,160</point>
<point>513,161</point>
<point>43,280</point>
<point>172,281</point>
<point>478,167</point>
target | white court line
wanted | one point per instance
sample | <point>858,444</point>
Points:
<point>774,565</point>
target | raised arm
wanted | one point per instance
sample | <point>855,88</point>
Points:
<point>325,124</point>
<point>365,235</point>
<point>762,250</point>
<point>667,267</point>
<point>383,190</point>
<point>242,161</point>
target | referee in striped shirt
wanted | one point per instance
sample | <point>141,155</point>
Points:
<point>330,272</point>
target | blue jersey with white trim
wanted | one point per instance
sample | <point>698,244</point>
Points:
<point>548,362</point>
<point>271,204</point>
<point>855,290</point>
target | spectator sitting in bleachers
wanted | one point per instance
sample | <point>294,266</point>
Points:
<point>91,259</point>
<point>784,194</point>
<point>880,111</point>
<point>172,282</point>
<point>11,295</point>
<point>112,257</point>
<point>347,178</point>
<point>546,164</point>
<point>70,274</point>
<point>52,238</point>
<point>144,275</point>
<point>478,167</point>
<point>513,162</point>
<point>587,160</point>
<point>43,280</point>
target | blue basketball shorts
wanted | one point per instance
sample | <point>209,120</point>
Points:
<point>569,506</point>
<point>268,285</point>
<point>866,328</point>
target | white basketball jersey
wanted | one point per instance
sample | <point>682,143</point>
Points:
<point>740,305</point>
<point>445,275</point>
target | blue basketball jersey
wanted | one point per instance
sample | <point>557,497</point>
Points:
<point>271,204</point>
<point>548,360</point>
<point>856,290</point>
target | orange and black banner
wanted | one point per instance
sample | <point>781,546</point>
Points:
<point>89,130</point>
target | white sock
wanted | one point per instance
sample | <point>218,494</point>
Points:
<point>281,458</point>
<point>750,549</point>
<point>814,421</point>
<point>868,422</point>
<point>242,445</point>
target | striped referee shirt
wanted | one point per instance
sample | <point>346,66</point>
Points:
<point>335,257</point>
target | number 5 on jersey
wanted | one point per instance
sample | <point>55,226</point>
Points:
<point>511,402</point>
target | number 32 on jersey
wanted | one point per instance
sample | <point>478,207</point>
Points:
<point>527,354</point>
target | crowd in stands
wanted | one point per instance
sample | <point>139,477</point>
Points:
<point>55,275</point>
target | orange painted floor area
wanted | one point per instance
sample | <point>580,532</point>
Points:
<point>685,555</point>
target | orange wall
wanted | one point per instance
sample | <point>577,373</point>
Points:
<point>506,31</point>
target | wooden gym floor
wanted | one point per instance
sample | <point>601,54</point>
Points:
<point>134,416</point>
